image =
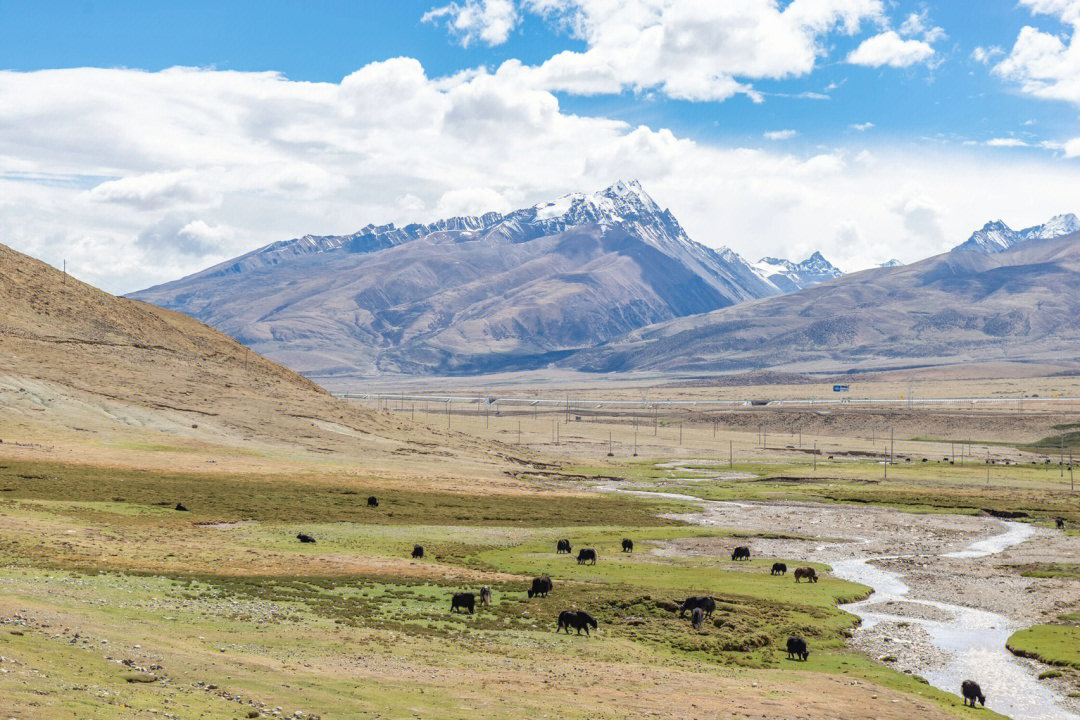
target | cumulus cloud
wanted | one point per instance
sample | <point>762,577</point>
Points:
<point>780,134</point>
<point>861,127</point>
<point>489,21</point>
<point>140,177</point>
<point>701,51</point>
<point>888,48</point>
<point>1041,63</point>
<point>1006,142</point>
<point>985,55</point>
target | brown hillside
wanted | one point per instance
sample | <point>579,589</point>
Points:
<point>86,375</point>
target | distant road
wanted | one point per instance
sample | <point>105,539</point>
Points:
<point>594,403</point>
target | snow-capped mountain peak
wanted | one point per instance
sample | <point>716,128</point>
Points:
<point>996,236</point>
<point>789,276</point>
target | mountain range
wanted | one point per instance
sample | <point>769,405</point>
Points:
<point>789,276</point>
<point>468,294</point>
<point>996,236</point>
<point>967,305</point>
<point>609,281</point>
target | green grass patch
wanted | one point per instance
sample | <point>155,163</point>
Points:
<point>1051,644</point>
<point>228,498</point>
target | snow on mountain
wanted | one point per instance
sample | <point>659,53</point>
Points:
<point>996,236</point>
<point>468,294</point>
<point>789,276</point>
<point>891,263</point>
<point>625,205</point>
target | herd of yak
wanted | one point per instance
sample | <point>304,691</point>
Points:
<point>700,607</point>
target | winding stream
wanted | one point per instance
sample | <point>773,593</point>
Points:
<point>972,640</point>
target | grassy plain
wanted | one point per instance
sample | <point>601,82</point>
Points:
<point>224,613</point>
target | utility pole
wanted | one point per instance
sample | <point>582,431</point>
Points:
<point>680,434</point>
<point>610,447</point>
<point>635,440</point>
<point>63,280</point>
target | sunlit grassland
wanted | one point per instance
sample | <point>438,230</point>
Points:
<point>225,595</point>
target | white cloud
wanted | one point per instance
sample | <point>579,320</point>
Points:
<point>490,21</point>
<point>1006,142</point>
<point>1072,148</point>
<point>888,48</point>
<point>917,24</point>
<point>780,134</point>
<point>1041,63</point>
<point>701,51</point>
<point>861,127</point>
<point>137,177</point>
<point>985,54</point>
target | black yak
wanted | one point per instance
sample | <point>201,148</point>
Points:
<point>627,545</point>
<point>697,618</point>
<point>541,586</point>
<point>485,596</point>
<point>741,553</point>
<point>563,546</point>
<point>705,603</point>
<point>373,501</point>
<point>465,601</point>
<point>305,538</point>
<point>577,619</point>
<point>417,552</point>
<point>586,555</point>
<point>972,692</point>
<point>779,568</point>
<point>796,649</point>
<point>180,507</point>
<point>1059,521</point>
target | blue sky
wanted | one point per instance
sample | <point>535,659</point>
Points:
<point>866,128</point>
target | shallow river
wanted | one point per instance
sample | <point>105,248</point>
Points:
<point>972,640</point>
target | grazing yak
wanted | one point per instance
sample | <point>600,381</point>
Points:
<point>180,507</point>
<point>305,538</point>
<point>1059,521</point>
<point>741,553</point>
<point>485,596</point>
<point>373,501</point>
<point>805,572</point>
<point>417,552</point>
<point>779,568</point>
<point>627,545</point>
<point>796,649</point>
<point>563,546</point>
<point>577,619</point>
<point>704,602</point>
<point>972,692</point>
<point>541,586</point>
<point>465,601</point>
<point>586,555</point>
<point>697,618</point>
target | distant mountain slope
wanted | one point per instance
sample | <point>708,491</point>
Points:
<point>789,276</point>
<point>82,368</point>
<point>467,295</point>
<point>996,236</point>
<point>1022,303</point>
